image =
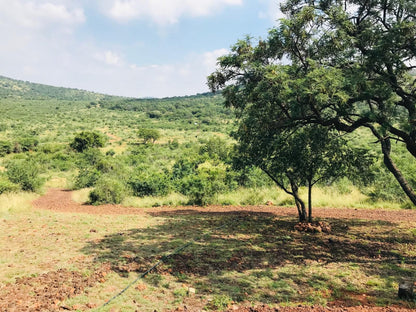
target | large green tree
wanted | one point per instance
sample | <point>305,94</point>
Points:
<point>349,66</point>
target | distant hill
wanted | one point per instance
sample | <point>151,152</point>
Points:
<point>18,89</point>
<point>205,108</point>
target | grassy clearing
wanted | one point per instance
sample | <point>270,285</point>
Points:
<point>12,204</point>
<point>259,258</point>
<point>322,197</point>
<point>254,257</point>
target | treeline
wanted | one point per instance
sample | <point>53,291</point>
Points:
<point>206,109</point>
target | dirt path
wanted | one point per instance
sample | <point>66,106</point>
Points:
<point>60,200</point>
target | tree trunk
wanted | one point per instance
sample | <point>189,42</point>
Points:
<point>310,201</point>
<point>388,161</point>
<point>391,166</point>
<point>299,202</point>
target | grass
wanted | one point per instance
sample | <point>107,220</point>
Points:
<point>255,257</point>
<point>12,204</point>
<point>322,197</point>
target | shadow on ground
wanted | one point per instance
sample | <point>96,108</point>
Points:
<point>227,245</point>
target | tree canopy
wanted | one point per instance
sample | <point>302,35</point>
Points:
<point>343,65</point>
<point>87,139</point>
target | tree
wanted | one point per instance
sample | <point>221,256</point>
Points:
<point>86,139</point>
<point>25,173</point>
<point>149,135</point>
<point>298,157</point>
<point>349,68</point>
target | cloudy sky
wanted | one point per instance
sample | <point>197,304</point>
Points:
<point>138,48</point>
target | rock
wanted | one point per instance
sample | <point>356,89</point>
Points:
<point>406,290</point>
<point>191,291</point>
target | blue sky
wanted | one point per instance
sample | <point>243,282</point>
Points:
<point>137,48</point>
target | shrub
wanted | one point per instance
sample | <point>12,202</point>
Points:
<point>7,186</point>
<point>25,173</point>
<point>202,187</point>
<point>150,184</point>
<point>86,178</point>
<point>5,148</point>
<point>108,190</point>
<point>216,148</point>
<point>86,139</point>
<point>220,302</point>
<point>25,144</point>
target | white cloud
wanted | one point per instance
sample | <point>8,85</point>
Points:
<point>164,12</point>
<point>33,15</point>
<point>272,11</point>
<point>39,44</point>
<point>109,58</point>
<point>210,58</point>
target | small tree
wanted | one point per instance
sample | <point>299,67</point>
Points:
<point>108,190</point>
<point>149,135</point>
<point>86,139</point>
<point>300,157</point>
<point>25,173</point>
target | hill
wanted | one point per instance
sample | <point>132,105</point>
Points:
<point>18,89</point>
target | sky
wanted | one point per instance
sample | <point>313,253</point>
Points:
<point>133,48</point>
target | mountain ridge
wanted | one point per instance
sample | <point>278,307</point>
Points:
<point>20,89</point>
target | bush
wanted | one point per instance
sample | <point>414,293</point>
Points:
<point>86,140</point>
<point>108,190</point>
<point>5,148</point>
<point>86,178</point>
<point>150,184</point>
<point>25,173</point>
<point>25,144</point>
<point>7,186</point>
<point>202,187</point>
<point>216,148</point>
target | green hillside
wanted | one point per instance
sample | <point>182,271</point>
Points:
<point>17,89</point>
<point>192,154</point>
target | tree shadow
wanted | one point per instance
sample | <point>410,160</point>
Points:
<point>250,242</point>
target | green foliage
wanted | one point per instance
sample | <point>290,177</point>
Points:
<point>25,144</point>
<point>92,164</point>
<point>220,302</point>
<point>205,184</point>
<point>86,177</point>
<point>86,139</point>
<point>216,148</point>
<point>353,75</point>
<point>7,186</point>
<point>150,184</point>
<point>25,173</point>
<point>108,190</point>
<point>191,112</point>
<point>16,89</point>
<point>148,135</point>
<point>5,148</point>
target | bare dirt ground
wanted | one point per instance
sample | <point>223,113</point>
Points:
<point>59,200</point>
<point>53,287</point>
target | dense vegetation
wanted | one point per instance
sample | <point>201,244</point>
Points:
<point>172,151</point>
